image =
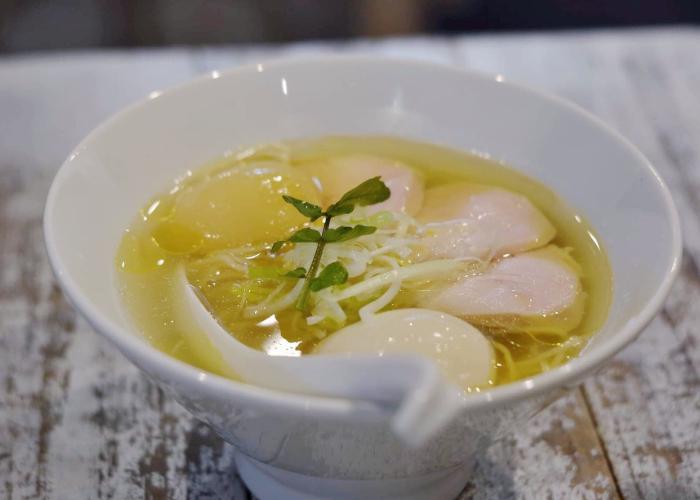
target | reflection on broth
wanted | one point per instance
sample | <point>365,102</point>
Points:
<point>483,269</point>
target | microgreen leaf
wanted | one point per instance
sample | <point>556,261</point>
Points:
<point>306,235</point>
<point>345,233</point>
<point>305,208</point>
<point>274,272</point>
<point>370,192</point>
<point>277,246</point>
<point>299,272</point>
<point>333,274</point>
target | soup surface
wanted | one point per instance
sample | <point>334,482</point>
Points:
<point>506,279</point>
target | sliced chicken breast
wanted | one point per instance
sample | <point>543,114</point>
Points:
<point>538,283</point>
<point>470,220</point>
<point>338,175</point>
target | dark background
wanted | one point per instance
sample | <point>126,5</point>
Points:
<point>27,25</point>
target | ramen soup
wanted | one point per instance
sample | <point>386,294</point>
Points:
<point>369,245</point>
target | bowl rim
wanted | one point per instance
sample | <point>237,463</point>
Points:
<point>184,373</point>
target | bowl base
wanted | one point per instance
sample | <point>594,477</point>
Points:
<point>272,483</point>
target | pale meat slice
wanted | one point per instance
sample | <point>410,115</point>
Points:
<point>473,221</point>
<point>538,283</point>
<point>335,176</point>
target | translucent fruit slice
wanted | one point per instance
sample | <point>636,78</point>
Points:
<point>243,204</point>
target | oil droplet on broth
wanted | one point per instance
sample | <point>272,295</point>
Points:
<point>139,253</point>
<point>177,238</point>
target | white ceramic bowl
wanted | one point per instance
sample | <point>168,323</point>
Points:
<point>292,446</point>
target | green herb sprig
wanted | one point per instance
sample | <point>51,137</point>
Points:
<point>370,192</point>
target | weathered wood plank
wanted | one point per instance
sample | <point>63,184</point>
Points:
<point>75,419</point>
<point>37,329</point>
<point>647,403</point>
<point>557,455</point>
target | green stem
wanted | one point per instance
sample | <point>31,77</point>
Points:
<point>313,268</point>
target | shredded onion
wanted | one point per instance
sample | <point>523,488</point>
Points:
<point>373,307</point>
<point>274,307</point>
<point>421,270</point>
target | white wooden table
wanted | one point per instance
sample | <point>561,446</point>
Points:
<point>78,421</point>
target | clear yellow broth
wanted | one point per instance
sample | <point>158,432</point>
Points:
<point>161,238</point>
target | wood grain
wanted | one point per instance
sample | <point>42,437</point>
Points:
<point>648,400</point>
<point>564,438</point>
<point>78,421</point>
